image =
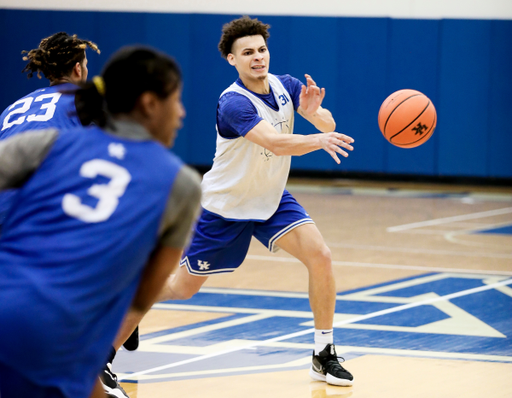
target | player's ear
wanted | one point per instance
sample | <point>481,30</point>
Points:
<point>231,59</point>
<point>147,103</point>
<point>77,69</point>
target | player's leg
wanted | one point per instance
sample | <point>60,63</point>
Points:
<point>291,229</point>
<point>307,245</point>
<point>98,391</point>
<point>181,285</point>
<point>218,246</point>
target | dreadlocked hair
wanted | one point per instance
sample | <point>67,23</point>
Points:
<point>56,56</point>
<point>129,73</point>
<point>241,27</point>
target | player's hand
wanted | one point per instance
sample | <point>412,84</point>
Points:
<point>333,142</point>
<point>311,96</point>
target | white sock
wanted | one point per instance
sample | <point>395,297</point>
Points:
<point>322,338</point>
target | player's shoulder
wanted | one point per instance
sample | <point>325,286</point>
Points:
<point>230,96</point>
<point>233,101</point>
<point>288,81</point>
<point>31,94</point>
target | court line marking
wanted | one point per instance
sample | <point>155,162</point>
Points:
<point>405,193</point>
<point>210,328</point>
<point>306,360</point>
<point>445,220</point>
<point>389,266</point>
<point>419,251</point>
<point>312,330</point>
<point>364,295</point>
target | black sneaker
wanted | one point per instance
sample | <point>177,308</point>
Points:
<point>110,384</point>
<point>132,343</point>
<point>326,367</point>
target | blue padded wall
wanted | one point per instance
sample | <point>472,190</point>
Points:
<point>463,66</point>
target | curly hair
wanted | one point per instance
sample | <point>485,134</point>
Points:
<point>241,27</point>
<point>56,56</point>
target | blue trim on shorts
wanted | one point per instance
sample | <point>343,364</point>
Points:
<point>221,245</point>
<point>283,232</point>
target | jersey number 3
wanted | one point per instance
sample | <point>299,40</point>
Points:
<point>107,194</point>
<point>26,102</point>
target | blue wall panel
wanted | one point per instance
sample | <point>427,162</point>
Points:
<point>464,97</point>
<point>171,33</point>
<point>317,58</point>
<point>412,63</point>
<point>360,89</point>
<point>211,74</point>
<point>116,29</point>
<point>464,66</point>
<point>500,101</point>
<point>21,30</point>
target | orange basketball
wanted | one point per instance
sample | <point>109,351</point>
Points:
<point>407,118</point>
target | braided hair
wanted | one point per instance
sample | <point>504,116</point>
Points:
<point>56,56</point>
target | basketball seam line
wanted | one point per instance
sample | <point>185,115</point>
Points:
<point>385,124</point>
<point>401,131</point>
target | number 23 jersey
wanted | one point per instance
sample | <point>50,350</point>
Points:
<point>48,107</point>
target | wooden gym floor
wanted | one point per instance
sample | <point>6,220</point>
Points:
<point>424,308</point>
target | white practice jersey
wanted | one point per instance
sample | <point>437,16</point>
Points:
<point>247,181</point>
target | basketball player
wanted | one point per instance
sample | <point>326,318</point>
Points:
<point>102,216</point>
<point>62,59</point>
<point>244,193</point>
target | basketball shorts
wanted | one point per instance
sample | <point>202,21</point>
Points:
<point>220,245</point>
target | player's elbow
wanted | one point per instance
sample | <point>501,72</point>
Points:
<point>279,151</point>
<point>328,126</point>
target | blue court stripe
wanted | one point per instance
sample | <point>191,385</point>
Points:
<point>344,322</point>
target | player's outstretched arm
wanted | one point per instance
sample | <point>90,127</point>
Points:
<point>310,108</point>
<point>265,135</point>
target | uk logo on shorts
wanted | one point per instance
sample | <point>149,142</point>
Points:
<point>203,265</point>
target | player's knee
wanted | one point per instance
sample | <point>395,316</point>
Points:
<point>325,256</point>
<point>181,290</point>
<point>320,258</point>
<point>184,294</point>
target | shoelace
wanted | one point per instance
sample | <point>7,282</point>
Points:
<point>335,359</point>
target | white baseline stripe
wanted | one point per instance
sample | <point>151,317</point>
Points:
<point>422,251</point>
<point>388,266</point>
<point>312,330</point>
<point>446,220</point>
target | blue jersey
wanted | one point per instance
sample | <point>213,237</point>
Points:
<point>44,108</point>
<point>72,251</point>
<point>48,107</point>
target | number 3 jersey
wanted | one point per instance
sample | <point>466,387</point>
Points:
<point>48,107</point>
<point>92,206</point>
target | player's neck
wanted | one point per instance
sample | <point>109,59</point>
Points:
<point>258,86</point>
<point>62,80</point>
